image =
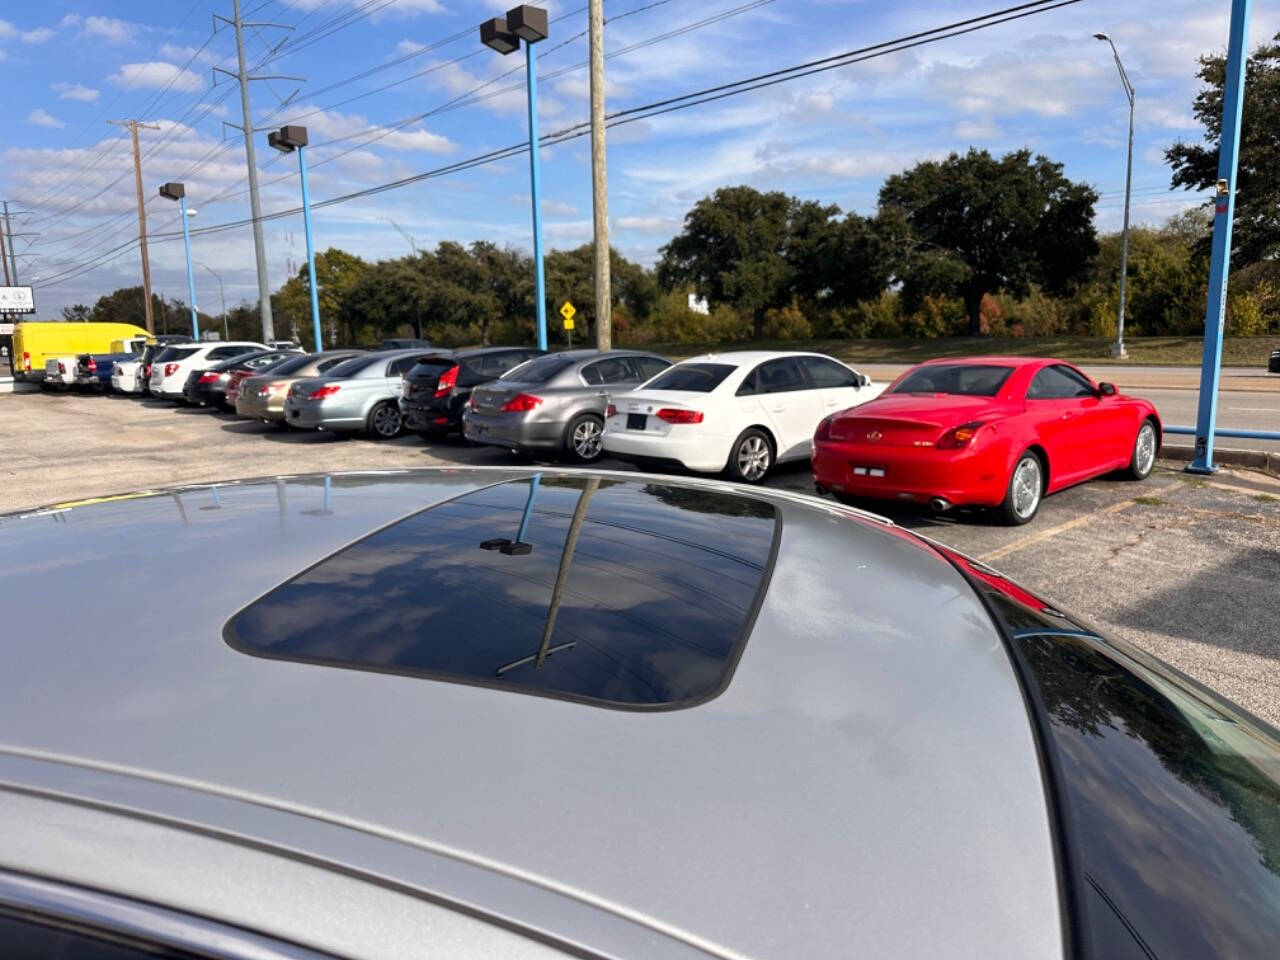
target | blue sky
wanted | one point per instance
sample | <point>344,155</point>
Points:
<point>71,65</point>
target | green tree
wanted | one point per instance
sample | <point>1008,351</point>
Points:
<point>1195,165</point>
<point>77,314</point>
<point>337,272</point>
<point>733,249</point>
<point>128,305</point>
<point>977,225</point>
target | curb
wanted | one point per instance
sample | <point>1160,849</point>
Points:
<point>1252,459</point>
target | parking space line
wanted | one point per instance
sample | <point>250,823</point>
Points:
<point>993,555</point>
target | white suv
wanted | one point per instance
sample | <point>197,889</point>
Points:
<point>170,368</point>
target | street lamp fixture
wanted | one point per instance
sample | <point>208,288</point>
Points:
<point>1117,349</point>
<point>178,191</point>
<point>288,139</point>
<point>503,34</point>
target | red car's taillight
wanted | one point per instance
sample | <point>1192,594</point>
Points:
<point>208,378</point>
<point>170,369</point>
<point>679,416</point>
<point>611,411</point>
<point>448,380</point>
<point>957,438</point>
<point>824,430</point>
<point>323,392</point>
<point>521,403</point>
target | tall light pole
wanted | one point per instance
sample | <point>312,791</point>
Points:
<point>221,296</point>
<point>1224,208</point>
<point>504,34</point>
<point>1117,349</point>
<point>178,191</point>
<point>287,140</point>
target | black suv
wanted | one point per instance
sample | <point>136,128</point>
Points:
<point>1273,366</point>
<point>436,391</point>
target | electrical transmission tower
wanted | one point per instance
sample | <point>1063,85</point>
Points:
<point>241,74</point>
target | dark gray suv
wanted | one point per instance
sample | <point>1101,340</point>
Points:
<point>555,404</point>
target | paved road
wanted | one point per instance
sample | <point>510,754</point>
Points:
<point>1183,567</point>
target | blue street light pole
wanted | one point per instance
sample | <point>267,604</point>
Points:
<point>178,191</point>
<point>286,140</point>
<point>535,175</point>
<point>311,250</point>
<point>503,34</point>
<point>191,277</point>
<point>1223,222</point>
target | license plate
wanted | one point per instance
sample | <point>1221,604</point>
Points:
<point>637,421</point>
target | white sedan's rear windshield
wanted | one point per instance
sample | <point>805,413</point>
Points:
<point>691,377</point>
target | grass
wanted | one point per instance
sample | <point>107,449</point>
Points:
<point>1191,480</point>
<point>1154,351</point>
<point>1266,498</point>
<point>1151,501</point>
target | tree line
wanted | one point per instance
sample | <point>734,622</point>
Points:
<point>973,243</point>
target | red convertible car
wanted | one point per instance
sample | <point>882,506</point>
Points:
<point>986,431</point>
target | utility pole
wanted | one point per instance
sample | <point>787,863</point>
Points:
<point>4,230</point>
<point>599,181</point>
<point>255,205</point>
<point>13,260</point>
<point>133,126</point>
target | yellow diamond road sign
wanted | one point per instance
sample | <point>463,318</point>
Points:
<point>568,312</point>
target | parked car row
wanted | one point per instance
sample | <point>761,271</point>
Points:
<point>988,432</point>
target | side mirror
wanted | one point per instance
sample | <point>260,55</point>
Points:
<point>1106,389</point>
<point>863,381</point>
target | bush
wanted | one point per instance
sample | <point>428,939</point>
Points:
<point>789,323</point>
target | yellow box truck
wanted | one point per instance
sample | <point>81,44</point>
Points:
<point>34,343</point>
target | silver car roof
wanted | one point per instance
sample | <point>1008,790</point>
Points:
<point>867,782</point>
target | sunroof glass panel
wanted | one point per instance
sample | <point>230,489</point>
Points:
<point>622,593</point>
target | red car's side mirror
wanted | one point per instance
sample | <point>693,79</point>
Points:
<point>1106,389</point>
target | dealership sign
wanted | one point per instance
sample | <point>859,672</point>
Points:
<point>17,300</point>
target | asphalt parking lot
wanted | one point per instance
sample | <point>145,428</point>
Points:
<point>1184,567</point>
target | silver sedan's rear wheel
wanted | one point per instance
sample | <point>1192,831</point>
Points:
<point>1145,446</point>
<point>1026,490</point>
<point>585,439</point>
<point>751,457</point>
<point>385,421</point>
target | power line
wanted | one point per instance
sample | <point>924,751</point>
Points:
<point>633,114</point>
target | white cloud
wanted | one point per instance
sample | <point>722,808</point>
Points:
<point>75,91</point>
<point>104,28</point>
<point>7,30</point>
<point>405,47</point>
<point>185,54</point>
<point>661,225</point>
<point>38,35</point>
<point>970,130</point>
<point>39,117</point>
<point>156,74</point>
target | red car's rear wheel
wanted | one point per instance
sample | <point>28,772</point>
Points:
<point>1025,491</point>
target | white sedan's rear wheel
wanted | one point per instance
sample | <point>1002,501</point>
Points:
<point>751,457</point>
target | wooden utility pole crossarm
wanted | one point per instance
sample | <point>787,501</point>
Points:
<point>134,126</point>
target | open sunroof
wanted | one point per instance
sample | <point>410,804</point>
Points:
<point>619,593</point>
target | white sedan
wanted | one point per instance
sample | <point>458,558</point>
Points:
<point>126,376</point>
<point>737,412</point>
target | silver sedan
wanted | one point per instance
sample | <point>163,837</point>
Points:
<point>360,394</point>
<point>537,714</point>
<point>556,404</point>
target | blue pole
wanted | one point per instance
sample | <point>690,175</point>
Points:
<point>311,251</point>
<point>1223,222</point>
<point>528,506</point>
<point>535,174</point>
<point>191,277</point>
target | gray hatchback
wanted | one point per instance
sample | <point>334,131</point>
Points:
<point>556,404</point>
